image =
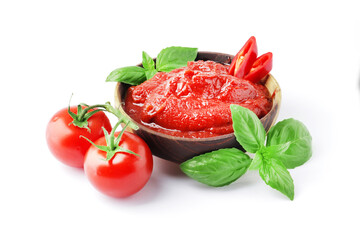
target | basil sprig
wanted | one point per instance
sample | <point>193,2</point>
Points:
<point>287,145</point>
<point>167,60</point>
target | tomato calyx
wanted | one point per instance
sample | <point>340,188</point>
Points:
<point>84,112</point>
<point>80,119</point>
<point>112,144</point>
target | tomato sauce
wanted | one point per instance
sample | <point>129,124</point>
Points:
<point>194,101</point>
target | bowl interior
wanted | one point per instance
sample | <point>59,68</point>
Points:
<point>159,142</point>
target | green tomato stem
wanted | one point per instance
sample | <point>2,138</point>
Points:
<point>85,110</point>
<point>112,136</point>
<point>81,117</point>
<point>112,146</point>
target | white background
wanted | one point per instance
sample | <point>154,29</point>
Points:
<point>50,49</point>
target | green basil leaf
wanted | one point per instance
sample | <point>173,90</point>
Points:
<point>275,174</point>
<point>248,129</point>
<point>133,75</point>
<point>256,161</point>
<point>296,142</point>
<point>217,168</point>
<point>174,57</point>
<point>150,73</point>
<point>147,62</point>
<point>267,153</point>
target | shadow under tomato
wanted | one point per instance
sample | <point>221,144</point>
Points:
<point>154,187</point>
<point>162,169</point>
<point>146,195</point>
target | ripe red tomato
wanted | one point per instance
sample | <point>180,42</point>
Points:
<point>125,173</point>
<point>64,139</point>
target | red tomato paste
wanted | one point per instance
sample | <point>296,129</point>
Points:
<point>194,101</point>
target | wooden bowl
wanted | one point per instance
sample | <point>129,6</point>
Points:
<point>179,149</point>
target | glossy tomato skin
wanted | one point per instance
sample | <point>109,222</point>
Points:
<point>123,175</point>
<point>64,139</point>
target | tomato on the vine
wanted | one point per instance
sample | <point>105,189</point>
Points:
<point>63,136</point>
<point>118,167</point>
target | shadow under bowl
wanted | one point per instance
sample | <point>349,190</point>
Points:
<point>179,149</point>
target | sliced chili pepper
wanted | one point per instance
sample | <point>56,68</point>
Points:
<point>244,59</point>
<point>261,67</point>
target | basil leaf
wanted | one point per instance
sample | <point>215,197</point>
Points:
<point>275,174</point>
<point>217,168</point>
<point>248,129</point>
<point>256,161</point>
<point>174,57</point>
<point>133,75</point>
<point>266,152</point>
<point>147,62</point>
<point>295,139</point>
<point>150,73</point>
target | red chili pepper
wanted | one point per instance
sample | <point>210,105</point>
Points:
<point>244,59</point>
<point>261,67</point>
